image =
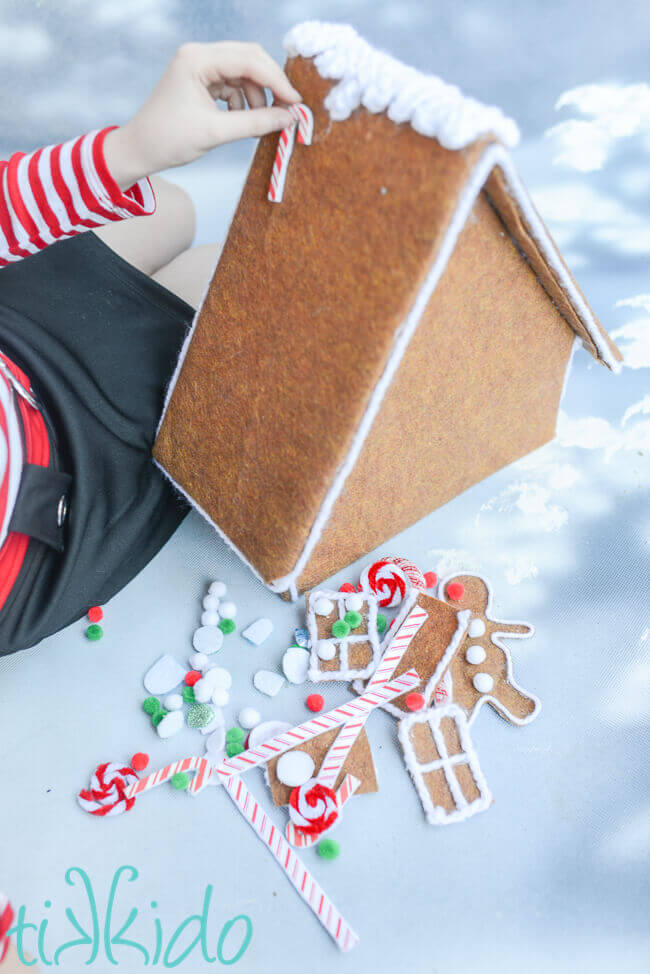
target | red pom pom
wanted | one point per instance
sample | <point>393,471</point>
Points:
<point>315,702</point>
<point>139,761</point>
<point>347,587</point>
<point>430,579</point>
<point>95,613</point>
<point>455,591</point>
<point>192,677</point>
<point>414,701</point>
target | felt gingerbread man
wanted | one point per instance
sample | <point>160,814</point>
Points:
<point>481,671</point>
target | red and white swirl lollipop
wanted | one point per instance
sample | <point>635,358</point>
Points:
<point>107,792</point>
<point>390,578</point>
<point>313,808</point>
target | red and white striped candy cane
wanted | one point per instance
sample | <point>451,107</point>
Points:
<point>345,740</point>
<point>264,752</point>
<point>199,764</point>
<point>6,920</point>
<point>298,874</point>
<point>302,839</point>
<point>304,127</point>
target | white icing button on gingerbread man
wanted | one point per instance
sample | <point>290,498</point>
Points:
<point>294,768</point>
<point>476,628</point>
<point>323,607</point>
<point>475,655</point>
<point>483,682</point>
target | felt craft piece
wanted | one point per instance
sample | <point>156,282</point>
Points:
<point>351,653</point>
<point>268,682</point>
<point>359,764</point>
<point>258,631</point>
<point>295,664</point>
<point>437,249</point>
<point>107,793</point>
<point>441,760</point>
<point>481,672</point>
<point>164,676</point>
<point>430,651</point>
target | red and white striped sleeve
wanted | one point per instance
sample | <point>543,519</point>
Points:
<point>59,191</point>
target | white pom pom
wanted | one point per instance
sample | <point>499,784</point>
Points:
<point>227,610</point>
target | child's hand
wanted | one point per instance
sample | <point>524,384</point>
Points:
<point>180,121</point>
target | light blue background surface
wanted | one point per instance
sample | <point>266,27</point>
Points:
<point>555,875</point>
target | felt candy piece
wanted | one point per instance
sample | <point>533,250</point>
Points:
<point>268,682</point>
<point>265,731</point>
<point>301,638</point>
<point>294,768</point>
<point>207,640</point>
<point>107,793</point>
<point>165,675</point>
<point>216,740</point>
<point>295,664</point>
<point>170,725</point>
<point>258,631</point>
<point>6,921</point>
<point>249,717</point>
<point>344,642</point>
<point>303,837</point>
<point>313,808</point>
<point>482,670</point>
<point>390,578</point>
<point>303,127</point>
<point>442,762</point>
<point>200,765</point>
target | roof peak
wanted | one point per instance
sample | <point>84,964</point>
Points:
<point>381,83</point>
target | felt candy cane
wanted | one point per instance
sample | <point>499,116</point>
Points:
<point>6,919</point>
<point>302,880</point>
<point>346,738</point>
<point>199,764</point>
<point>308,820</point>
<point>304,127</point>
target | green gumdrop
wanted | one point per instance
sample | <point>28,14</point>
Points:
<point>235,735</point>
<point>340,629</point>
<point>227,626</point>
<point>329,849</point>
<point>382,622</point>
<point>187,694</point>
<point>180,780</point>
<point>158,716</point>
<point>199,715</point>
<point>353,619</point>
<point>151,706</point>
<point>233,748</point>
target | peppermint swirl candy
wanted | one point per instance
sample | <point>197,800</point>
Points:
<point>107,792</point>
<point>6,920</point>
<point>313,807</point>
<point>391,578</point>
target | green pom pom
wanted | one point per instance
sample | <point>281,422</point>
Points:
<point>340,629</point>
<point>94,632</point>
<point>152,706</point>
<point>233,748</point>
<point>235,735</point>
<point>382,622</point>
<point>329,849</point>
<point>227,626</point>
<point>353,619</point>
<point>157,717</point>
<point>199,715</point>
<point>187,694</point>
<point>180,780</point>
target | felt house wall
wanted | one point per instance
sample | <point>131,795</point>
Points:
<point>395,330</point>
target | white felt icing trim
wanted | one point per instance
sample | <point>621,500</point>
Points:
<point>436,815</point>
<point>380,83</point>
<point>488,698</point>
<point>344,671</point>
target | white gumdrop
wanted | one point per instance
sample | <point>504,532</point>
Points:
<point>323,606</point>
<point>227,610</point>
<point>326,649</point>
<point>165,674</point>
<point>258,631</point>
<point>173,701</point>
<point>217,588</point>
<point>248,718</point>
<point>295,664</point>
<point>294,768</point>
<point>483,682</point>
<point>171,724</point>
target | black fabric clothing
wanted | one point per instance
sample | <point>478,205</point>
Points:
<point>99,341</point>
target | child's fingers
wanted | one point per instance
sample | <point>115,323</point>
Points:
<point>252,124</point>
<point>249,61</point>
<point>254,94</point>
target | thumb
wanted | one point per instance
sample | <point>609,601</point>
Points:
<point>251,123</point>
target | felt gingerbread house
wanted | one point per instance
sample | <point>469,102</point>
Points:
<point>395,330</point>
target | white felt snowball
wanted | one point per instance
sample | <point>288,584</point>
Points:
<point>227,610</point>
<point>218,589</point>
<point>249,718</point>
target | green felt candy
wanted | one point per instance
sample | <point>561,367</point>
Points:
<point>151,706</point>
<point>382,622</point>
<point>233,748</point>
<point>353,619</point>
<point>94,632</point>
<point>180,780</point>
<point>227,626</point>
<point>340,629</point>
<point>235,735</point>
<point>187,693</point>
<point>199,715</point>
<point>329,849</point>
<point>158,716</point>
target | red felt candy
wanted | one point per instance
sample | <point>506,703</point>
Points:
<point>347,587</point>
<point>139,761</point>
<point>430,578</point>
<point>95,613</point>
<point>455,591</point>
<point>315,702</point>
<point>414,701</point>
<point>192,677</point>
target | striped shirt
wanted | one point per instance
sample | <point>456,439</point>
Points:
<point>48,195</point>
